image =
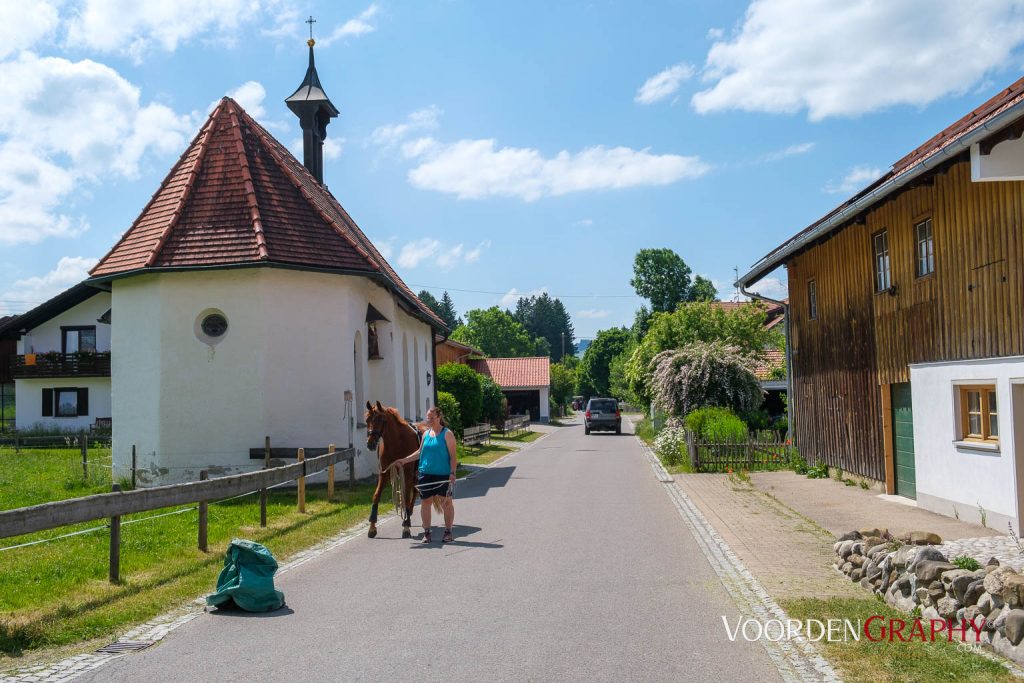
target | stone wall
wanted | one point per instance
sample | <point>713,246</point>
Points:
<point>912,575</point>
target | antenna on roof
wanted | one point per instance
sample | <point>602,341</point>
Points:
<point>736,279</point>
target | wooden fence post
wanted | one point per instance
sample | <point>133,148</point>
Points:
<point>302,482</point>
<point>330,475</point>
<point>263,491</point>
<point>351,472</point>
<point>204,514</point>
<point>17,441</point>
<point>115,543</point>
<point>134,465</point>
<point>691,447</point>
<point>83,445</point>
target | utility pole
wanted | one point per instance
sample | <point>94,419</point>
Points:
<point>562,357</point>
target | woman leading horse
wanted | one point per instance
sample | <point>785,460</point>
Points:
<point>438,461</point>
<point>392,438</point>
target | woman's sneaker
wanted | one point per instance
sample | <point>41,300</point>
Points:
<point>426,536</point>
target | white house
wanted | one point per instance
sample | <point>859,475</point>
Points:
<point>248,304</point>
<point>61,367</point>
<point>526,383</point>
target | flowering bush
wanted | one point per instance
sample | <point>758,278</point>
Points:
<point>670,444</point>
<point>704,374</point>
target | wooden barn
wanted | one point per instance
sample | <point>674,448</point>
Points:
<point>907,322</point>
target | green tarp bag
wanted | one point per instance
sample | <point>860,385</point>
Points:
<point>248,578</point>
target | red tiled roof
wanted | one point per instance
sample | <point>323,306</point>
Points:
<point>239,197</point>
<point>774,313</point>
<point>773,358</point>
<point>511,373</point>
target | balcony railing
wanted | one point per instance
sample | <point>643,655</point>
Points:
<point>81,364</point>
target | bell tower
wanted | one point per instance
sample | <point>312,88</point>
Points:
<point>315,110</point>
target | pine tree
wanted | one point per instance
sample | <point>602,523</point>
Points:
<point>447,312</point>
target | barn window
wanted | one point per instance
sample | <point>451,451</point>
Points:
<point>812,300</point>
<point>882,274</point>
<point>979,417</point>
<point>925,248</point>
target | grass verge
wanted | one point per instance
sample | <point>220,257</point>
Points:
<point>524,437</point>
<point>35,476</point>
<point>482,455</point>
<point>903,662</point>
<point>644,429</point>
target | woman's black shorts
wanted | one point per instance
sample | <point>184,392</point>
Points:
<point>430,485</point>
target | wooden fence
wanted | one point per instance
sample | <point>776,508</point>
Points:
<point>513,425</point>
<point>760,451</point>
<point>477,434</point>
<point>114,505</point>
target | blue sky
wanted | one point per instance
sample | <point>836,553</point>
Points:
<point>501,148</point>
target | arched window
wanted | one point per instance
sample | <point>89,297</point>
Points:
<point>406,379</point>
<point>358,358</point>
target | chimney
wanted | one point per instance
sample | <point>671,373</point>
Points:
<point>310,103</point>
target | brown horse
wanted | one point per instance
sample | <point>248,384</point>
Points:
<point>396,439</point>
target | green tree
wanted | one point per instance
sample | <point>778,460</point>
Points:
<point>547,318</point>
<point>563,382</point>
<point>431,301</point>
<point>462,382</point>
<point>595,365</point>
<point>498,335</point>
<point>742,327</point>
<point>445,310</point>
<point>450,409</point>
<point>662,277</point>
<point>702,374</point>
<point>494,400</point>
<point>702,289</point>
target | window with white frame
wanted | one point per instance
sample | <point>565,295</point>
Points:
<point>925,251</point>
<point>883,278</point>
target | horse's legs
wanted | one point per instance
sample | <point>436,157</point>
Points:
<point>409,497</point>
<point>382,480</point>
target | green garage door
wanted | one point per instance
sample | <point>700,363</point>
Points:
<point>903,440</point>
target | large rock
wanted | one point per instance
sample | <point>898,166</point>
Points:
<point>994,580</point>
<point>999,621</point>
<point>984,603</point>
<point>845,549</point>
<point>846,568</point>
<point>918,554</point>
<point>924,538</point>
<point>870,542</point>
<point>856,574</point>
<point>1014,627</point>
<point>856,560</point>
<point>1013,590</point>
<point>874,531</point>
<point>947,607</point>
<point>973,615</point>
<point>902,586</point>
<point>958,582</point>
<point>850,536</point>
<point>921,596</point>
<point>936,592</point>
<point>930,570</point>
<point>877,549</point>
<point>973,592</point>
<point>872,571</point>
<point>930,613</point>
<point>903,556</point>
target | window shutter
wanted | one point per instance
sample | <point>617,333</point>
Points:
<point>47,403</point>
<point>83,401</point>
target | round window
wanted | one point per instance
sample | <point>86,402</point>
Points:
<point>211,326</point>
<point>214,325</point>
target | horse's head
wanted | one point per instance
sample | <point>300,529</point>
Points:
<point>376,422</point>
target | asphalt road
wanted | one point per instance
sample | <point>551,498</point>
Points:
<point>570,563</point>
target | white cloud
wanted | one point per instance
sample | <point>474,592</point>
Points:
<point>513,295</point>
<point>135,28</point>
<point>664,83</point>
<point>23,23</point>
<point>858,178</point>
<point>472,169</point>
<point>859,56</point>
<point>354,27</point>
<point>385,247</point>
<point>715,33</point>
<point>473,255</point>
<point>584,222</point>
<point>792,150</point>
<point>419,250</point>
<point>33,291</point>
<point>449,258</point>
<point>593,313</point>
<point>250,96</point>
<point>390,135</point>
<point>65,123</point>
<point>333,147</point>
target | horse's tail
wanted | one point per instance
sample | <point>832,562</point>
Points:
<point>438,507</point>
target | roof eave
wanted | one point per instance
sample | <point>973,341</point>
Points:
<point>835,220</point>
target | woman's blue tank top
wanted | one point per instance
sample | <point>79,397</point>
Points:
<point>434,457</point>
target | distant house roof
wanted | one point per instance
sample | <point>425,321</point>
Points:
<point>772,360</point>
<point>999,118</point>
<point>11,326</point>
<point>515,373</point>
<point>238,198</point>
<point>774,314</point>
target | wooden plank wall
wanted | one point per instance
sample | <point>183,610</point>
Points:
<point>972,306</point>
<point>837,407</point>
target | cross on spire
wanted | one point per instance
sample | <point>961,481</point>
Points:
<point>310,21</point>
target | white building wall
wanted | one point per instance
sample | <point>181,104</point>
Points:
<point>954,478</point>
<point>47,337</point>
<point>1005,162</point>
<point>28,397</point>
<point>281,370</point>
<point>545,404</point>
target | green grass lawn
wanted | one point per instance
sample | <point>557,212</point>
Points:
<point>523,437</point>
<point>57,593</point>
<point>35,476</point>
<point>903,662</point>
<point>482,455</point>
